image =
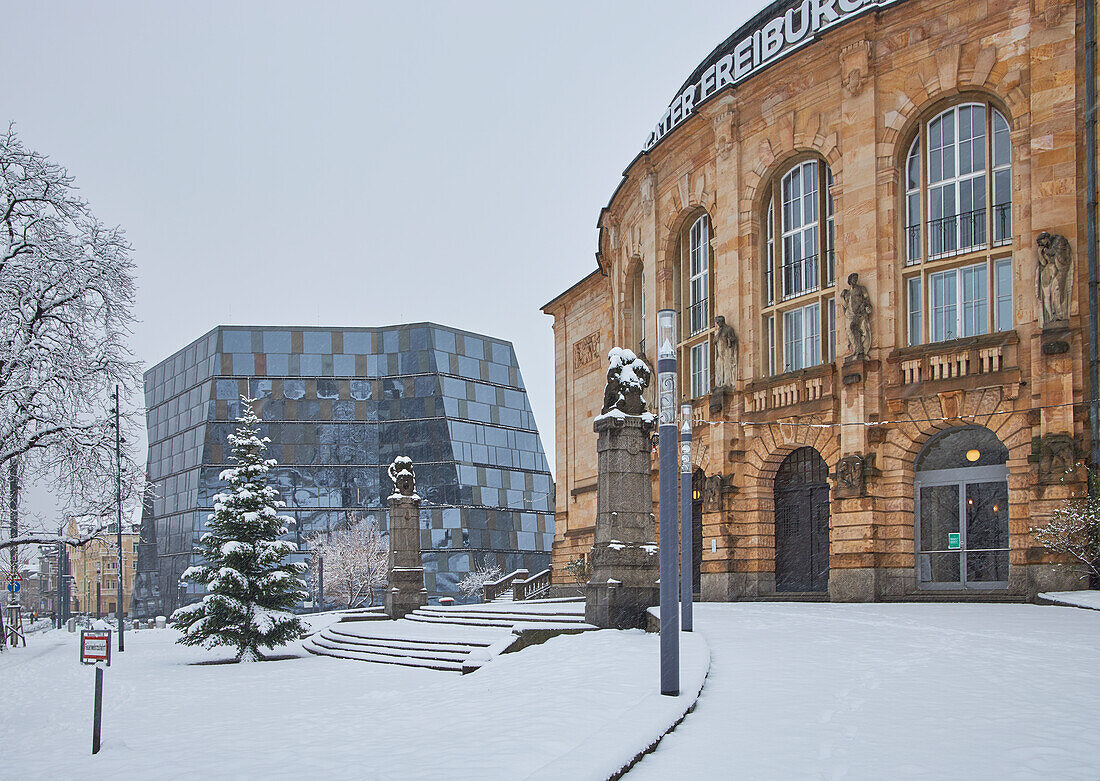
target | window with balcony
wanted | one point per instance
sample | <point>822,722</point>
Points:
<point>799,269</point>
<point>958,225</point>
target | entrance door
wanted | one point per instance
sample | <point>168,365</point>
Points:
<point>962,511</point>
<point>802,523</point>
<point>697,484</point>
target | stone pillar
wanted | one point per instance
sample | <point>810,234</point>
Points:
<point>406,590</point>
<point>625,565</point>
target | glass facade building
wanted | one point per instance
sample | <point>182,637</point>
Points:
<point>338,406</point>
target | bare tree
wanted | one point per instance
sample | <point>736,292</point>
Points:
<point>355,562</point>
<point>473,585</point>
<point>66,299</point>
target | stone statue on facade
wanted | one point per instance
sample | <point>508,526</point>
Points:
<point>849,476</point>
<point>1057,458</point>
<point>402,475</point>
<point>627,378</point>
<point>1054,277</point>
<point>725,354</point>
<point>857,308</point>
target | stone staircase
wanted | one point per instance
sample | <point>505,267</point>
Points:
<point>458,638</point>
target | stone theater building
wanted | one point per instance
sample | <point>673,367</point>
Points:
<point>870,217</point>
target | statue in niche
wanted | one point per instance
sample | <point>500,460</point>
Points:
<point>402,475</point>
<point>725,354</point>
<point>627,378</point>
<point>857,307</point>
<point>1054,278</point>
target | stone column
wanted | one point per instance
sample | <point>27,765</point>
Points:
<point>625,565</point>
<point>406,590</point>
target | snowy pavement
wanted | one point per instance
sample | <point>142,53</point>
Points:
<point>586,703</point>
<point>913,691</point>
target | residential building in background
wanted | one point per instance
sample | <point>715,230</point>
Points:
<point>339,404</point>
<point>97,562</point>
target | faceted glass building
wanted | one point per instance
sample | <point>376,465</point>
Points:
<point>338,406</point>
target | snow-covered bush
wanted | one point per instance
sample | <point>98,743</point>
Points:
<point>354,562</point>
<point>473,585</point>
<point>249,582</point>
<point>1074,531</point>
<point>580,569</point>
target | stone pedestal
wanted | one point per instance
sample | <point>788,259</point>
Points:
<point>405,592</point>
<point>624,559</point>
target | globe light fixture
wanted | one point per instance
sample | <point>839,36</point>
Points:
<point>973,454</point>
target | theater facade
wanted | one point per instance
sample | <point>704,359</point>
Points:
<point>870,219</point>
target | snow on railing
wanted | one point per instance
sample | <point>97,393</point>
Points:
<point>495,588</point>
<point>534,586</point>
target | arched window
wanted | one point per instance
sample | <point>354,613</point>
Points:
<point>694,295</point>
<point>799,306</point>
<point>636,331</point>
<point>958,225</point>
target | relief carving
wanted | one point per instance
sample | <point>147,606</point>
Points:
<point>586,353</point>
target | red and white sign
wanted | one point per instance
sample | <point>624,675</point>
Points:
<point>95,646</point>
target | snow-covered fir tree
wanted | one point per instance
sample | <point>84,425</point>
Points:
<point>249,581</point>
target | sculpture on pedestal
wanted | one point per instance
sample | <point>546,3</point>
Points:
<point>725,354</point>
<point>857,307</point>
<point>624,557</point>
<point>1054,277</point>
<point>406,590</point>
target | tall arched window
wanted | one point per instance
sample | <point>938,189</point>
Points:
<point>799,306</point>
<point>636,307</point>
<point>958,225</point>
<point>694,296</point>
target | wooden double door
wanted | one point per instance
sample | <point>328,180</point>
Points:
<point>802,523</point>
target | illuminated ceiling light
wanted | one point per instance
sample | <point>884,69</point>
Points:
<point>973,455</point>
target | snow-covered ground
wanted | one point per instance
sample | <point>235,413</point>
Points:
<point>936,691</point>
<point>795,691</point>
<point>587,702</point>
<point>1089,599</point>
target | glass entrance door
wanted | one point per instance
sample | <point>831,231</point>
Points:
<point>962,528</point>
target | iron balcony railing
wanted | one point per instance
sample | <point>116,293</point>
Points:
<point>698,319</point>
<point>959,233</point>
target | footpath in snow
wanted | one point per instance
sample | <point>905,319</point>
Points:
<point>913,691</point>
<point>583,704</point>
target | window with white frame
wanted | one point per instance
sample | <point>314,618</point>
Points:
<point>799,268</point>
<point>700,370</point>
<point>696,281</point>
<point>957,204</point>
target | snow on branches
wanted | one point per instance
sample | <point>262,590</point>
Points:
<point>1074,531</point>
<point>66,300</point>
<point>250,585</point>
<point>355,562</point>
<point>473,584</point>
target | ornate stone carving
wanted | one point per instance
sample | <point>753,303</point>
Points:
<point>586,352</point>
<point>1057,458</point>
<point>627,378</point>
<point>1054,277</point>
<point>850,476</point>
<point>857,308</point>
<point>712,493</point>
<point>725,354</point>
<point>402,475</point>
<point>855,62</point>
<point>1054,11</point>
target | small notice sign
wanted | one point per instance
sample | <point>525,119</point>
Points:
<point>95,646</point>
<point>954,541</point>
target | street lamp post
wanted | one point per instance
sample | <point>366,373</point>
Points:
<point>98,607</point>
<point>666,493</point>
<point>687,569</point>
<point>118,521</point>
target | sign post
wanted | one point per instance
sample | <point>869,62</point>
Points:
<point>666,492</point>
<point>95,648</point>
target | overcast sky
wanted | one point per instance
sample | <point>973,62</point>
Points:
<point>351,163</point>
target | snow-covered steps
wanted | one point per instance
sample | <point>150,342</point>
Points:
<point>459,638</point>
